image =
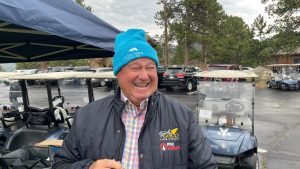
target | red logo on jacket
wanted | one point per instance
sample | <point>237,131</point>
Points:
<point>169,147</point>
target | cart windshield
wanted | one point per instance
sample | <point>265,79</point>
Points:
<point>225,103</point>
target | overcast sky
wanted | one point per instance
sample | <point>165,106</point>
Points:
<point>140,13</point>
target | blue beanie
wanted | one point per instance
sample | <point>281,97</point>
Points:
<point>131,45</point>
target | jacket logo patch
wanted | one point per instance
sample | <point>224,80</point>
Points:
<point>169,135</point>
<point>168,140</point>
<point>169,147</point>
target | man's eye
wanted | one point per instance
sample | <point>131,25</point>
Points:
<point>135,68</point>
<point>151,67</point>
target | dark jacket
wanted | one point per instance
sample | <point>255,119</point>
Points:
<point>170,137</point>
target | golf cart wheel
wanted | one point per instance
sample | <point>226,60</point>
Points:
<point>169,88</point>
<point>102,83</point>
<point>251,162</point>
<point>269,85</point>
<point>297,87</point>
<point>189,86</point>
<point>283,86</point>
<point>82,82</point>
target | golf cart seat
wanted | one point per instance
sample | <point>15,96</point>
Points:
<point>22,135</point>
<point>32,118</point>
<point>36,109</point>
<point>26,136</point>
<point>10,118</point>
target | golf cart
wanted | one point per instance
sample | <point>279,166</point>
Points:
<point>47,117</point>
<point>33,119</point>
<point>225,112</point>
<point>52,123</point>
<point>285,76</point>
<point>8,93</point>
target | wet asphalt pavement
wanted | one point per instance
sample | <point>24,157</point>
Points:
<point>278,127</point>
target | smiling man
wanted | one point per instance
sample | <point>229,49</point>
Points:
<point>138,127</point>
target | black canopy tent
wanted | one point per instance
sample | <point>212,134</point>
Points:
<point>45,30</point>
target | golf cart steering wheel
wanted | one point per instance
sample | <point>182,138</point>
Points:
<point>58,101</point>
<point>234,106</point>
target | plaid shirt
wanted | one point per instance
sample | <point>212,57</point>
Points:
<point>133,118</point>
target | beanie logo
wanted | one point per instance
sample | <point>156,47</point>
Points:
<point>133,53</point>
<point>133,50</point>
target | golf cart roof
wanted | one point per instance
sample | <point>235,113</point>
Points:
<point>226,74</point>
<point>61,75</point>
<point>9,74</point>
<point>108,74</point>
<point>46,76</point>
<point>283,65</point>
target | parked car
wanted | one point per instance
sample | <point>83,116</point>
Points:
<point>83,69</point>
<point>28,72</point>
<point>180,77</point>
<point>41,82</point>
<point>103,82</point>
<point>247,69</point>
<point>198,69</point>
<point>60,69</point>
<point>223,67</point>
<point>160,74</point>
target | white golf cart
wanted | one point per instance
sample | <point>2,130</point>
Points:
<point>285,76</point>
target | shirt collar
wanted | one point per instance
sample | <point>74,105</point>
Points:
<point>143,104</point>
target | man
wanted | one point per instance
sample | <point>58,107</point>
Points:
<point>138,127</point>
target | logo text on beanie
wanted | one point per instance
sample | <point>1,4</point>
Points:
<point>133,49</point>
<point>133,53</point>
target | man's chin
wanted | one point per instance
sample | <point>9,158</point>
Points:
<point>141,98</point>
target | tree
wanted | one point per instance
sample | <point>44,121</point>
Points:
<point>286,24</point>
<point>192,21</point>
<point>207,17</point>
<point>163,18</point>
<point>81,2</point>
<point>233,42</point>
<point>286,14</point>
<point>259,27</point>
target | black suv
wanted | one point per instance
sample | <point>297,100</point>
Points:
<point>181,77</point>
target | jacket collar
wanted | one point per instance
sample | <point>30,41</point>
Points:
<point>152,104</point>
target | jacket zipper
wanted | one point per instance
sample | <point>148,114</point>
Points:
<point>120,143</point>
<point>122,131</point>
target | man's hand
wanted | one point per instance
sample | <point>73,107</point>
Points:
<point>106,164</point>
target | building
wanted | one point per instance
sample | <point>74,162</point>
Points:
<point>286,58</point>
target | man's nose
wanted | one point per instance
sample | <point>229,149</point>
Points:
<point>143,74</point>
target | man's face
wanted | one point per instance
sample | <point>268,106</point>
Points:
<point>138,80</point>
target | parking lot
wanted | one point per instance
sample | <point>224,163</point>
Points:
<point>277,124</point>
<point>277,127</point>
